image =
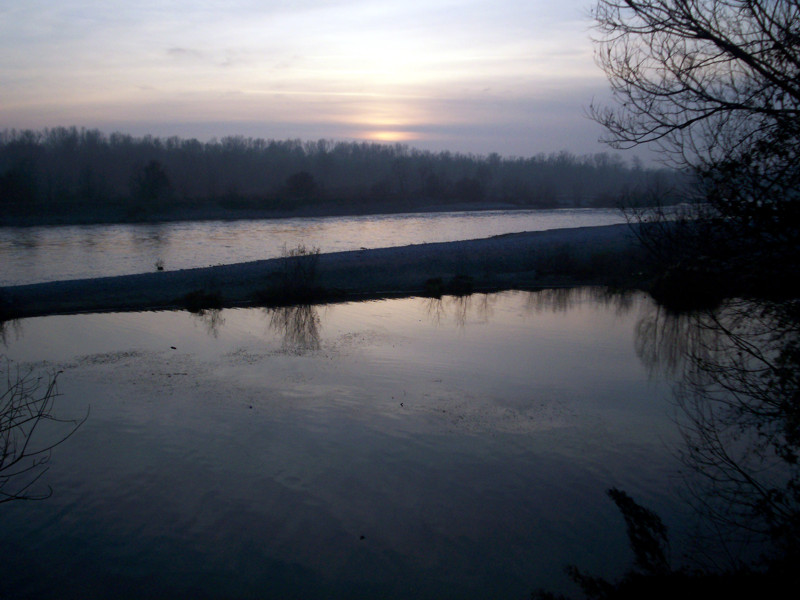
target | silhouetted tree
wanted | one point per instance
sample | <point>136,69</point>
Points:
<point>716,85</point>
<point>468,189</point>
<point>151,182</point>
<point>18,184</point>
<point>301,185</point>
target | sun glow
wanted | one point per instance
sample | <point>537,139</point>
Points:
<point>389,136</point>
<point>509,76</point>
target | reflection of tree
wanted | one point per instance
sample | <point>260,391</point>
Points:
<point>435,309</point>
<point>212,320</point>
<point>26,238</point>
<point>26,413</point>
<point>299,325</point>
<point>663,340</point>
<point>153,235</point>
<point>564,299</point>
<point>553,300</point>
<point>481,306</point>
<point>738,370</point>
<point>461,306</point>
<point>738,394</point>
<point>14,324</point>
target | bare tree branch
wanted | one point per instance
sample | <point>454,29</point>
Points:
<point>26,405</point>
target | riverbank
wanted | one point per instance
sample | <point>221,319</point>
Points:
<point>606,255</point>
<point>56,215</point>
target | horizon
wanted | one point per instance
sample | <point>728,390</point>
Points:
<point>471,77</point>
<point>627,159</point>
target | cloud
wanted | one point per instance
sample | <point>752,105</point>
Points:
<point>184,53</point>
<point>471,72</point>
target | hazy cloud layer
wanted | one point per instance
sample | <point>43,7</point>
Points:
<point>470,75</point>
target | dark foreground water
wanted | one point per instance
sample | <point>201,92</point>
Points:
<point>413,448</point>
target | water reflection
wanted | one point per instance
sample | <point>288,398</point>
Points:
<point>95,237</point>
<point>560,300</point>
<point>664,340</point>
<point>738,401</point>
<point>27,239</point>
<point>299,327</point>
<point>554,300</point>
<point>6,327</point>
<point>479,306</point>
<point>211,319</point>
<point>479,452</point>
<point>153,235</point>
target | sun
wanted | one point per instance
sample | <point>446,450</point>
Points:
<point>389,136</point>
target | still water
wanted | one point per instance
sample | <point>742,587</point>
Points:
<point>404,448</point>
<point>31,255</point>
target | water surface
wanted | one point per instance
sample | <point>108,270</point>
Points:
<point>410,448</point>
<point>30,255</point>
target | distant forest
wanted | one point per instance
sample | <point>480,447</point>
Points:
<point>71,174</point>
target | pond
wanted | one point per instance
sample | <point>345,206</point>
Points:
<point>402,448</point>
<point>31,255</point>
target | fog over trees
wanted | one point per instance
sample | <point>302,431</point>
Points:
<point>64,170</point>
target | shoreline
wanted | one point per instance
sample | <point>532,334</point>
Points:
<point>603,255</point>
<point>217,213</point>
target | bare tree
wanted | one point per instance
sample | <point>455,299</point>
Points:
<point>25,410</point>
<point>716,85</point>
<point>702,77</point>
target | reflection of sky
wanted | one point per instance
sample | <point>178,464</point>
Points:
<point>474,434</point>
<point>470,75</point>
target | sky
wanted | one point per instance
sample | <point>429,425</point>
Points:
<point>514,77</point>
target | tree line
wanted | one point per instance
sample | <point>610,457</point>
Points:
<point>67,167</point>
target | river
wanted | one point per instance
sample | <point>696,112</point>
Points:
<point>405,448</point>
<point>36,254</point>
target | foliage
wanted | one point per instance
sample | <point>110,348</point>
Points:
<point>706,79</point>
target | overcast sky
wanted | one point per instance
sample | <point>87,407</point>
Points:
<point>507,76</point>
